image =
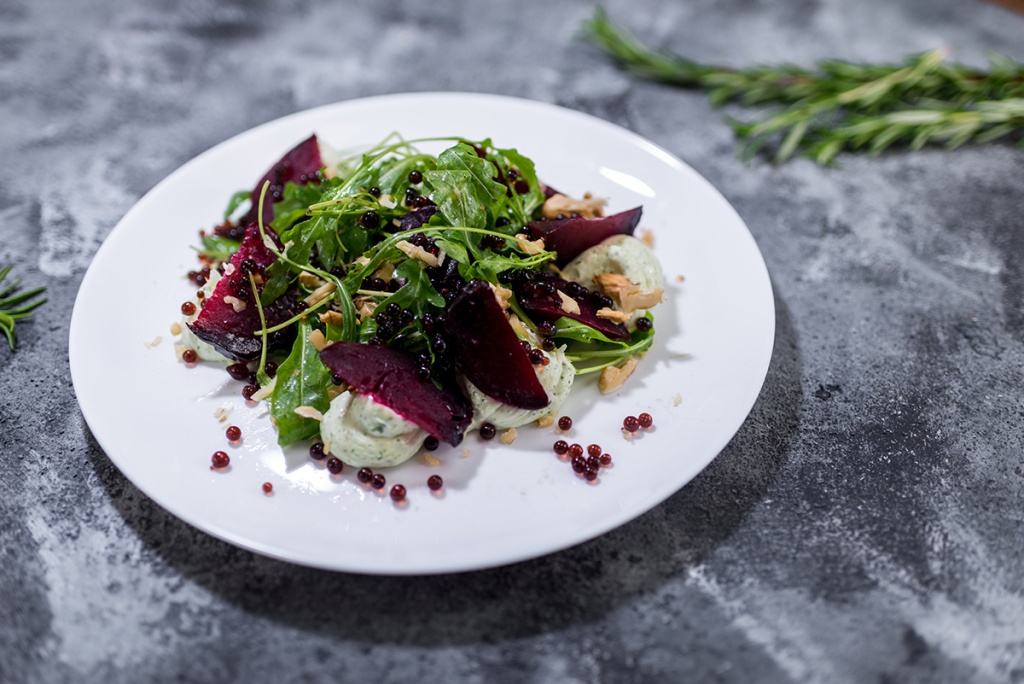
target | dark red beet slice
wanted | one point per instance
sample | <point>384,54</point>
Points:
<point>570,237</point>
<point>230,331</point>
<point>390,377</point>
<point>299,166</point>
<point>487,350</point>
<point>539,296</point>
<point>416,218</point>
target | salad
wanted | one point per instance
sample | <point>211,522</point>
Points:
<point>390,299</point>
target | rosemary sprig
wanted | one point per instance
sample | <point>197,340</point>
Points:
<point>842,105</point>
<point>13,307</point>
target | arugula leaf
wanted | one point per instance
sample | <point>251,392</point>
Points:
<point>218,247</point>
<point>302,380</point>
<point>9,315</point>
<point>235,202</point>
<point>522,206</point>
<point>292,207</point>
<point>464,188</point>
<point>417,292</point>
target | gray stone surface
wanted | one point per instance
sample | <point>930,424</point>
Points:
<point>865,525</point>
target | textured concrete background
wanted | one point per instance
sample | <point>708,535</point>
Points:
<point>865,525</point>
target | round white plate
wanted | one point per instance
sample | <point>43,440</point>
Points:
<point>156,418</point>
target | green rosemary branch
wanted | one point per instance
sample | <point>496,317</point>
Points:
<point>842,105</point>
<point>13,307</point>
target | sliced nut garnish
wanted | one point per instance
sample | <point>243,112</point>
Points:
<point>236,303</point>
<point>629,295</point>
<point>569,305</point>
<point>332,318</point>
<point>416,252</point>
<point>317,339</point>
<point>431,461</point>
<point>310,280</point>
<point>588,207</point>
<point>531,247</point>
<point>309,412</point>
<point>502,294</point>
<point>365,305</point>
<point>175,328</point>
<point>319,294</point>
<point>612,377</point>
<point>613,315</point>
<point>386,272</point>
<point>508,436</point>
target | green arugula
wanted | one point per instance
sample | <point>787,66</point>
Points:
<point>15,307</point>
<point>302,380</point>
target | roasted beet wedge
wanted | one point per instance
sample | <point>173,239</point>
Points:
<point>231,331</point>
<point>298,166</point>
<point>538,294</point>
<point>570,237</point>
<point>487,350</point>
<point>390,377</point>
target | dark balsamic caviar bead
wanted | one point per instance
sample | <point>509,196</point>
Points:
<point>645,420</point>
<point>410,196</point>
<point>536,356</point>
<point>270,368</point>
<point>601,301</point>
<point>252,379</point>
<point>590,474</point>
<point>375,341</point>
<point>393,309</point>
<point>188,308</point>
<point>394,285</point>
<point>431,443</point>
<point>631,423</point>
<point>565,423</point>
<point>249,266</point>
<point>605,460</point>
<point>250,390</point>
<point>200,295</point>
<point>593,462</point>
<point>398,493</point>
<point>525,345</point>
<point>381,316</point>
<point>375,191</point>
<point>370,220</point>
<point>594,450</point>
<point>560,447</point>
<point>480,151</point>
<point>579,464</point>
<point>336,379</point>
<point>233,433</point>
<point>378,481</point>
<point>220,459</point>
<point>421,202</point>
<point>189,356</point>
<point>644,324</point>
<point>335,465</point>
<point>501,221</point>
<point>338,271</point>
<point>406,317</point>
<point>316,451</point>
<point>364,475</point>
<point>423,373</point>
<point>547,328</point>
<point>268,488</point>
<point>548,344</point>
<point>488,431</point>
<point>239,371</point>
<point>522,187</point>
<point>415,177</point>
<point>575,450</point>
<point>435,482</point>
<point>512,174</point>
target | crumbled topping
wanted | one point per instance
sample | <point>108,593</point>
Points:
<point>613,315</point>
<point>365,305</point>
<point>309,412</point>
<point>502,294</point>
<point>310,280</point>
<point>175,328</point>
<point>386,272</point>
<point>531,247</point>
<point>221,414</point>
<point>236,303</point>
<point>229,268</point>
<point>680,279</point>
<point>677,399</point>
<point>612,377</point>
<point>545,421</point>
<point>319,294</point>
<point>569,305</point>
<point>508,436</point>
<point>416,252</point>
<point>629,295</point>
<point>156,340</point>
<point>387,201</point>
<point>431,460</point>
<point>362,261</point>
<point>317,339</point>
<point>332,318</point>
<point>560,205</point>
<point>647,237</point>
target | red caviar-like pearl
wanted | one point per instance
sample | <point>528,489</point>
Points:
<point>560,447</point>
<point>565,423</point>
<point>594,450</point>
<point>189,356</point>
<point>590,474</point>
<point>575,450</point>
<point>335,465</point>
<point>631,424</point>
<point>435,482</point>
<point>645,420</point>
<point>267,488</point>
<point>398,493</point>
<point>250,390</point>
<point>234,433</point>
<point>188,308</point>
<point>579,464</point>
<point>378,481</point>
<point>220,459</point>
<point>605,459</point>
<point>364,475</point>
<point>316,451</point>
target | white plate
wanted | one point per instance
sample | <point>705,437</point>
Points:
<point>154,417</point>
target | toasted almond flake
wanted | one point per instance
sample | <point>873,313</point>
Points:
<point>362,261</point>
<point>613,315</point>
<point>569,305</point>
<point>332,318</point>
<point>502,294</point>
<point>629,295</point>
<point>680,279</point>
<point>175,328</point>
<point>627,435</point>
<point>329,172</point>
<point>648,237</point>
<point>387,201</point>
<point>308,412</point>
<point>386,272</point>
<point>265,391</point>
<point>545,421</point>
<point>416,252</point>
<point>156,340</point>
<point>588,207</point>
<point>221,414</point>
<point>466,453</point>
<point>317,339</point>
<point>677,399</point>
<point>365,305</point>
<point>229,268</point>
<point>520,330</point>
<point>327,446</point>
<point>613,377</point>
<point>440,257</point>
<point>431,461</point>
<point>179,349</point>
<point>531,247</point>
<point>508,436</point>
<point>236,303</point>
<point>310,280</point>
<point>319,294</point>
